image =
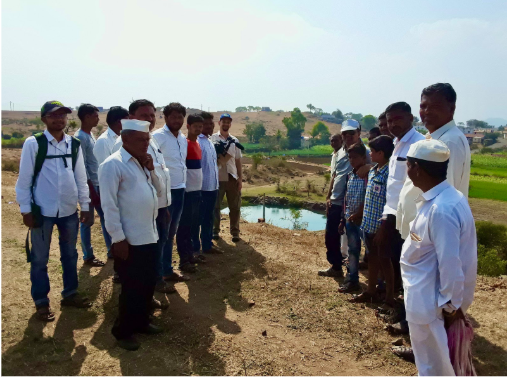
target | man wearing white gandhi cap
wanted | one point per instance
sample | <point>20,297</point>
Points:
<point>129,193</point>
<point>438,260</point>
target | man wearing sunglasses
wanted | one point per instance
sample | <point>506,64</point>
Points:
<point>51,183</point>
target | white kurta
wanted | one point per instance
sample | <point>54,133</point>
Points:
<point>438,266</point>
<point>458,175</point>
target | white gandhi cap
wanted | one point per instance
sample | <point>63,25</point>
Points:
<point>429,150</point>
<point>136,125</point>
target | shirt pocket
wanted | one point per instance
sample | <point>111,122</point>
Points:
<point>400,170</point>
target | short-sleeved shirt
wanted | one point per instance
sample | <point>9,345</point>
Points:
<point>194,166</point>
<point>375,198</point>
<point>231,163</point>
<point>356,191</point>
<point>209,164</point>
<point>92,166</point>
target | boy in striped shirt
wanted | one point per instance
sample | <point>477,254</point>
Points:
<point>190,216</point>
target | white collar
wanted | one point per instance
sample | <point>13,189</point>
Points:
<point>442,130</point>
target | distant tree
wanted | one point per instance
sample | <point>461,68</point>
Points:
<point>271,143</point>
<point>461,124</point>
<point>338,115</point>
<point>258,108</point>
<point>416,120</point>
<point>251,108</point>
<point>318,112</point>
<point>321,131</point>
<point>278,135</point>
<point>422,131</point>
<point>491,138</point>
<point>501,128</point>
<point>354,116</point>
<point>17,135</point>
<point>254,131</point>
<point>256,160</point>
<point>241,109</point>
<point>474,123</point>
<point>295,127</point>
<point>72,126</point>
<point>368,122</point>
<point>310,107</point>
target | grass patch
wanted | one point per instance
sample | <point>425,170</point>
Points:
<point>13,142</point>
<point>490,165</point>
<point>10,166</point>
<point>485,187</point>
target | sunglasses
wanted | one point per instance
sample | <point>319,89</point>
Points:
<point>56,116</point>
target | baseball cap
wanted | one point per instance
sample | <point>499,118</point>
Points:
<point>225,115</point>
<point>51,106</point>
<point>429,150</point>
<point>350,125</point>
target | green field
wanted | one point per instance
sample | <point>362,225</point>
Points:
<point>485,187</point>
<point>483,164</point>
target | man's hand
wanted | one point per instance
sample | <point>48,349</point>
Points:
<point>240,184</point>
<point>449,319</point>
<point>120,250</point>
<point>341,227</point>
<point>28,220</point>
<point>363,171</point>
<point>147,162</point>
<point>86,217</point>
<point>328,205</point>
<point>356,218</point>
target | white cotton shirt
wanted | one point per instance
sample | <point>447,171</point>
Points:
<point>58,189</point>
<point>398,169</point>
<point>230,166</point>
<point>458,175</point>
<point>164,178</point>
<point>129,199</point>
<point>104,145</point>
<point>439,258</point>
<point>174,150</point>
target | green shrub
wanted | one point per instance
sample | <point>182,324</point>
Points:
<point>492,236</point>
<point>489,262</point>
<point>257,160</point>
<point>13,143</point>
<point>17,135</point>
<point>6,137</point>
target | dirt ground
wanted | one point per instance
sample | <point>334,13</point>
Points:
<point>211,328</point>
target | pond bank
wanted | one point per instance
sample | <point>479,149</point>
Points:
<point>286,202</point>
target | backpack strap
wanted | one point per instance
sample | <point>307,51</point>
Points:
<point>75,149</point>
<point>42,152</point>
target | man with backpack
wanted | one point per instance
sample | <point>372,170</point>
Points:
<point>51,182</point>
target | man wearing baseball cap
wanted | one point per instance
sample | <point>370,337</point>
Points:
<point>230,176</point>
<point>51,183</point>
<point>438,260</point>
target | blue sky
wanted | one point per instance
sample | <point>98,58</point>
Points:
<point>358,56</point>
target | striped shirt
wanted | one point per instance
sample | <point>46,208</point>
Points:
<point>375,198</point>
<point>209,164</point>
<point>356,191</point>
<point>194,167</point>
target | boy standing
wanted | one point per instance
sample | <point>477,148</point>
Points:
<point>381,149</point>
<point>353,214</point>
<point>189,222</point>
<point>43,206</point>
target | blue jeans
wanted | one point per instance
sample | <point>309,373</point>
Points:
<point>333,238</point>
<point>39,255</point>
<point>206,217</point>
<point>163,222</point>
<point>189,222</point>
<point>354,236</point>
<point>86,234</point>
<point>175,209</point>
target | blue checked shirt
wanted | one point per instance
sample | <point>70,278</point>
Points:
<point>356,191</point>
<point>375,198</point>
<point>209,164</point>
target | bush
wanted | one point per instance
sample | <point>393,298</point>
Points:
<point>492,236</point>
<point>17,135</point>
<point>256,160</point>
<point>13,143</point>
<point>486,150</point>
<point>489,262</point>
<point>10,166</point>
<point>6,136</point>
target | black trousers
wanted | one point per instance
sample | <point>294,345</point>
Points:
<point>333,237</point>
<point>138,276</point>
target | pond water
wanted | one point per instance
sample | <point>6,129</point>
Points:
<point>283,217</point>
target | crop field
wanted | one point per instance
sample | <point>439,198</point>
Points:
<point>488,187</point>
<point>491,165</point>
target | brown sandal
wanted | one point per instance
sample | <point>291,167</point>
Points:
<point>94,263</point>
<point>76,301</point>
<point>45,314</point>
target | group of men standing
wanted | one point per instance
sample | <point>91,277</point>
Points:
<point>147,187</point>
<point>417,225</point>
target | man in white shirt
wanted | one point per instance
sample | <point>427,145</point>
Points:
<point>130,191</point>
<point>231,179</point>
<point>49,187</point>
<point>89,117</point>
<point>399,120</point>
<point>173,145</point>
<point>438,103</point>
<point>104,145</point>
<point>439,258</point>
<point>209,192</point>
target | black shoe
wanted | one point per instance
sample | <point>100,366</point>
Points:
<point>215,237</point>
<point>331,272</point>
<point>349,287</point>
<point>236,239</point>
<point>188,268</point>
<point>129,344</point>
<point>152,330</point>
<point>116,278</point>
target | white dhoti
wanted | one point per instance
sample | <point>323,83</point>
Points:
<point>431,351</point>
